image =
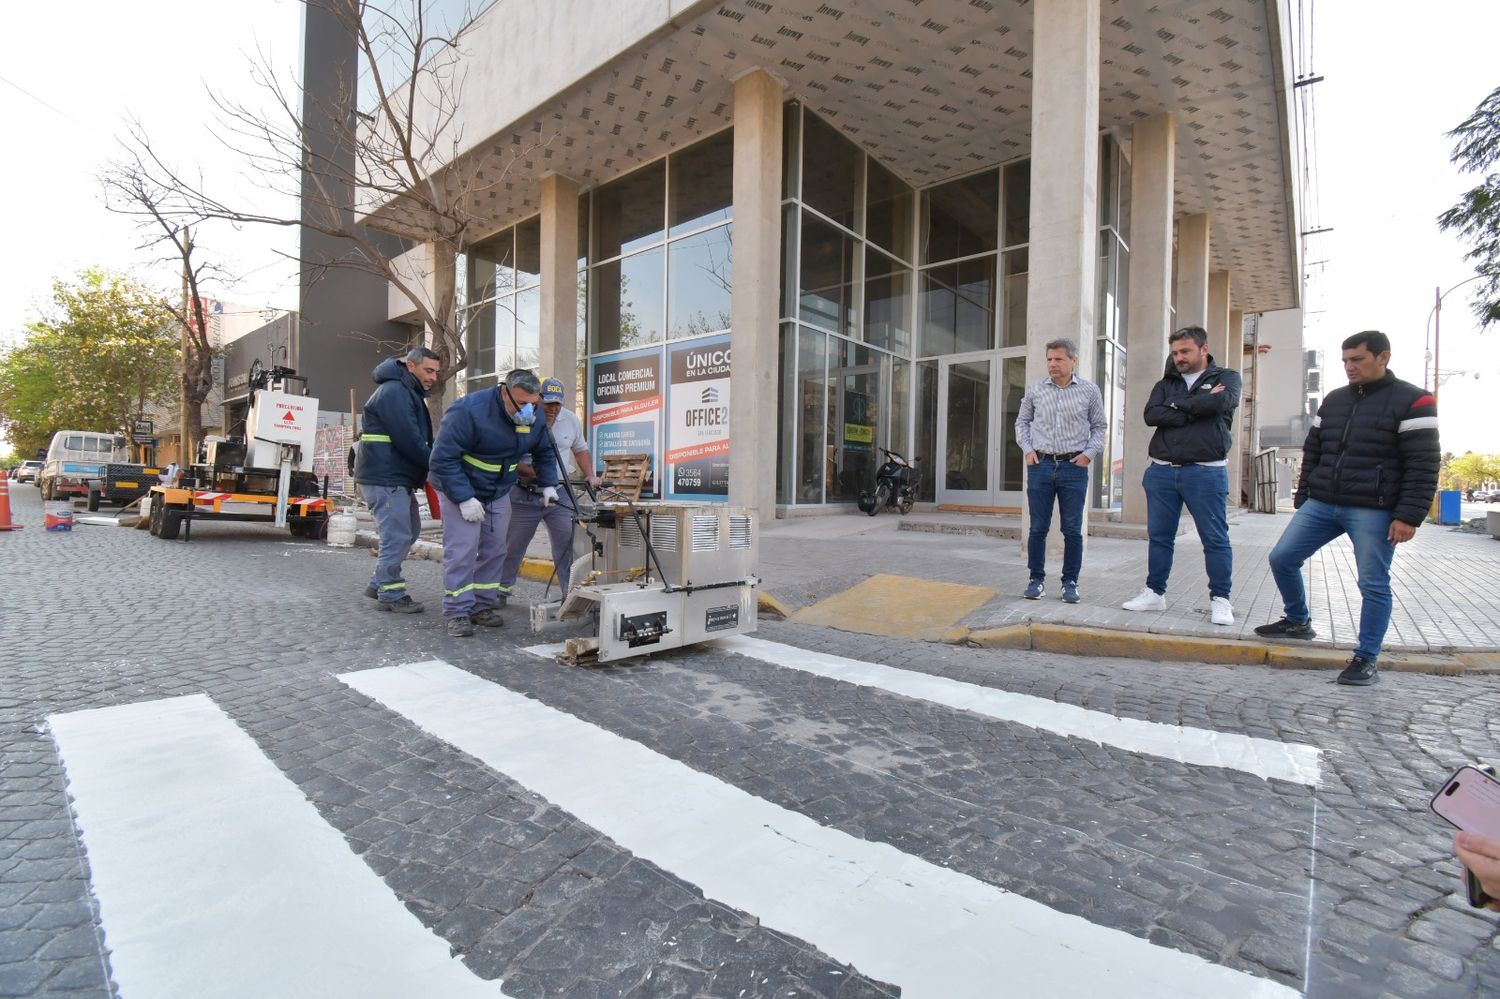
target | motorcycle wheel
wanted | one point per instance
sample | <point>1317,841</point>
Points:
<point>882,497</point>
<point>905,499</point>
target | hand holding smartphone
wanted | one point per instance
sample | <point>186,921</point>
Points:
<point>1470,800</point>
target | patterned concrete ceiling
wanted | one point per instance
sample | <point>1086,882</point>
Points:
<point>936,89</point>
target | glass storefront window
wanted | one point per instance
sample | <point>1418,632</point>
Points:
<point>479,339</point>
<point>625,301</point>
<point>1013,371</point>
<point>629,213</point>
<point>1017,203</point>
<point>958,307</point>
<point>827,277</point>
<point>968,430</point>
<point>898,415</point>
<point>830,171</point>
<point>887,303</point>
<point>700,184</point>
<point>528,353</point>
<point>961,218</point>
<point>791,148</point>
<point>812,385</point>
<point>699,279</point>
<point>1016,267</point>
<point>888,211</point>
<point>853,414</point>
<point>529,252</point>
<point>490,266</point>
<point>925,439</point>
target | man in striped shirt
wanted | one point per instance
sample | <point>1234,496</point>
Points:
<point>1369,470</point>
<point>1060,429</point>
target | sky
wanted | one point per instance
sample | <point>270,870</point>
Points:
<point>1394,81</point>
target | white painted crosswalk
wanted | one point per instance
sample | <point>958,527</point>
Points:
<point>933,931</point>
<point>217,878</point>
<point>1265,758</point>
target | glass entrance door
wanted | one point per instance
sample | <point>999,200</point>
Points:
<point>979,396</point>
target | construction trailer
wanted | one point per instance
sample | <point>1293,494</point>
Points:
<point>266,477</point>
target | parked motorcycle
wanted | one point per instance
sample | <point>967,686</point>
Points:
<point>896,484</point>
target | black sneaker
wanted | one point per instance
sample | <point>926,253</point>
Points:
<point>460,627</point>
<point>406,605</point>
<point>371,593</point>
<point>1287,628</point>
<point>1360,672</point>
<point>489,617</point>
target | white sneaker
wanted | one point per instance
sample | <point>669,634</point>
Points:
<point>1221,611</point>
<point>1149,600</point>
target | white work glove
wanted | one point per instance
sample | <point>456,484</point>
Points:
<point>472,510</point>
<point>549,495</point>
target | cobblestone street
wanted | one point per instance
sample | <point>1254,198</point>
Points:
<point>811,813</point>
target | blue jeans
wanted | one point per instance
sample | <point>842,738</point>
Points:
<point>526,512</point>
<point>1318,523</point>
<point>1066,484</point>
<point>399,522</point>
<point>1205,490</point>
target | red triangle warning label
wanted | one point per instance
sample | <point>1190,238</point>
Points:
<point>289,418</point>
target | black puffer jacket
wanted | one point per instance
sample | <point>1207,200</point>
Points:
<point>1193,424</point>
<point>1374,445</point>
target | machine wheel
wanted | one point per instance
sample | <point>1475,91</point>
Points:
<point>882,497</point>
<point>171,523</point>
<point>94,501</point>
<point>905,499</point>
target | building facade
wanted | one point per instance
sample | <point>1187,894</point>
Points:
<point>767,241</point>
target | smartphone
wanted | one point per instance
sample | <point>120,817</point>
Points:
<point>1470,800</point>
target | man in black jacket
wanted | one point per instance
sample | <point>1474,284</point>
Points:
<point>1192,409</point>
<point>392,462</point>
<point>1369,470</point>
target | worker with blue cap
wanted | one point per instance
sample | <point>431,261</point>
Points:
<point>527,506</point>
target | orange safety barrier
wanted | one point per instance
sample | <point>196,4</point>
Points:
<point>6,524</point>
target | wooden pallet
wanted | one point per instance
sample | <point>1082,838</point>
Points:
<point>626,475</point>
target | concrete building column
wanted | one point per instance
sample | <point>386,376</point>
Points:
<point>1192,271</point>
<point>755,296</point>
<point>1060,287</point>
<point>1245,417</point>
<point>559,320</point>
<point>1219,290</point>
<point>1153,150</point>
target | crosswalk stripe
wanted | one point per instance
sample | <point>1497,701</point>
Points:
<point>1265,758</point>
<point>933,931</point>
<point>217,878</point>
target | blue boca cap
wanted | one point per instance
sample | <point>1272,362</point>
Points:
<point>552,391</point>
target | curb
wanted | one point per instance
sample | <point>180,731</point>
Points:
<point>1078,641</point>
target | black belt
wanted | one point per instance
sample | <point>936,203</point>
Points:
<point>1059,457</point>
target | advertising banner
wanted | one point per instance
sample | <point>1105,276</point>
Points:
<point>697,456</point>
<point>625,403</point>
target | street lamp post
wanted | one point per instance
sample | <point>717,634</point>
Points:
<point>1435,325</point>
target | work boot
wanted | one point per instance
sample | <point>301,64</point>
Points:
<point>489,617</point>
<point>372,593</point>
<point>1287,628</point>
<point>1034,590</point>
<point>460,627</point>
<point>1360,672</point>
<point>1070,593</point>
<point>406,605</point>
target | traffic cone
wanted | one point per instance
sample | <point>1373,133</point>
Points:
<point>6,524</point>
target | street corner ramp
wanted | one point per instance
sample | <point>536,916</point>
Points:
<point>897,606</point>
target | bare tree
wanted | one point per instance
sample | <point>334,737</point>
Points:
<point>394,156</point>
<point>130,190</point>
